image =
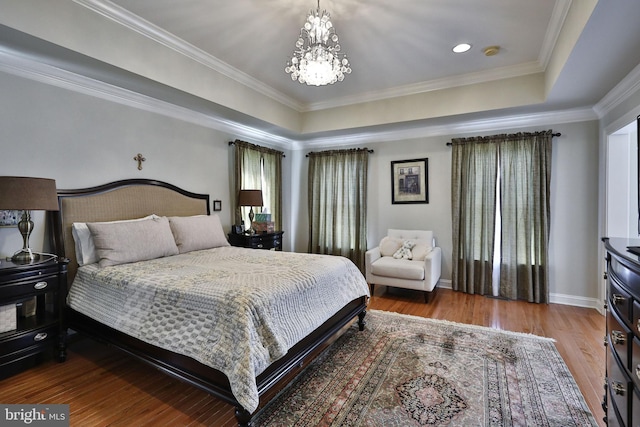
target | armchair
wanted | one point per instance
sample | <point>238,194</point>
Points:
<point>422,272</point>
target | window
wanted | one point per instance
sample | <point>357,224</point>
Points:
<point>259,168</point>
<point>338,203</point>
<point>501,212</point>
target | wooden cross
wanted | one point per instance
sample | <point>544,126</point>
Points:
<point>139,159</point>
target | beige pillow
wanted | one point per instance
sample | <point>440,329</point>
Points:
<point>85,249</point>
<point>389,245</point>
<point>193,233</point>
<point>420,251</point>
<point>123,242</point>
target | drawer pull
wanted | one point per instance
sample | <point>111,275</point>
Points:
<point>618,388</point>
<point>40,285</point>
<point>617,298</point>
<point>40,336</point>
<point>618,337</point>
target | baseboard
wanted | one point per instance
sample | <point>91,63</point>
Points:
<point>553,298</point>
<point>576,301</point>
<point>444,283</point>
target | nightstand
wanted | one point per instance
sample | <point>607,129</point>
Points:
<point>31,308</point>
<point>258,240</point>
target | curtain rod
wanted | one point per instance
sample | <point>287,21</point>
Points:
<point>311,152</point>
<point>553,134</point>
<point>281,153</point>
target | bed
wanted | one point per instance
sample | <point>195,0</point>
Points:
<point>176,308</point>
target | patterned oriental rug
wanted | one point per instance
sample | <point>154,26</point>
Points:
<point>411,371</point>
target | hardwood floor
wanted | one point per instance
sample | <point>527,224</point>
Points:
<point>106,387</point>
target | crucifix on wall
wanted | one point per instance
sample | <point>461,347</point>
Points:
<point>139,158</point>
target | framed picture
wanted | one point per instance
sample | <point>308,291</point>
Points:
<point>9,218</point>
<point>409,181</point>
<point>217,205</point>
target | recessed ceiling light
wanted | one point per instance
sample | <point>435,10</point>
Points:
<point>462,47</point>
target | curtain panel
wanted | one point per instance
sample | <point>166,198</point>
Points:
<point>525,168</point>
<point>503,182</point>
<point>473,198</point>
<point>259,168</point>
<point>337,192</point>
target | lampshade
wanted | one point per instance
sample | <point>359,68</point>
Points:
<point>24,193</point>
<point>250,198</point>
<point>27,194</point>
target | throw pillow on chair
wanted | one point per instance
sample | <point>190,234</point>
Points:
<point>405,251</point>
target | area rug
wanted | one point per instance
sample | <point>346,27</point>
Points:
<point>411,371</point>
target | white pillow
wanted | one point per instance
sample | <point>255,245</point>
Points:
<point>193,233</point>
<point>132,241</point>
<point>85,248</point>
<point>420,251</point>
<point>389,245</point>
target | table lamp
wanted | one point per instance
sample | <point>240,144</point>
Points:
<point>27,194</point>
<point>250,198</point>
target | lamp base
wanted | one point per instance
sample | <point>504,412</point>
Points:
<point>251,216</point>
<point>25,256</point>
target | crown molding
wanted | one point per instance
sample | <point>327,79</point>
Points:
<point>135,23</point>
<point>621,92</point>
<point>548,118</point>
<point>431,85</point>
<point>558,16</point>
<point>32,69</point>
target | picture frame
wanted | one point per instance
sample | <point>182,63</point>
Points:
<point>10,218</point>
<point>410,181</point>
<point>217,205</point>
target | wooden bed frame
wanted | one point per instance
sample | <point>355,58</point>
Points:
<point>140,197</point>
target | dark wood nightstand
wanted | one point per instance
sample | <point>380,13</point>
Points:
<point>258,240</point>
<point>31,307</point>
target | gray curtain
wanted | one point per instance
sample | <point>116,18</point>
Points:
<point>258,168</point>
<point>338,203</point>
<point>473,197</point>
<point>520,166</point>
<point>525,170</point>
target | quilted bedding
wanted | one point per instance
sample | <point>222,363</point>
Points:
<point>234,309</point>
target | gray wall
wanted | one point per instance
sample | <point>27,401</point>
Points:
<point>83,141</point>
<point>574,204</point>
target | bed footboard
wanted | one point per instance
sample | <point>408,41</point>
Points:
<point>186,369</point>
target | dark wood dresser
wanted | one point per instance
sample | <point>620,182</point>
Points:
<point>258,240</point>
<point>622,386</point>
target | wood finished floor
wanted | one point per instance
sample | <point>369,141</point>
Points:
<point>107,388</point>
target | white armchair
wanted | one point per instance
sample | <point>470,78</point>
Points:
<point>420,273</point>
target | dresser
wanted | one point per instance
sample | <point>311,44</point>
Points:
<point>31,301</point>
<point>622,386</point>
<point>258,240</point>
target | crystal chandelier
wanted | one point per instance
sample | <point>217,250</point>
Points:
<point>317,60</point>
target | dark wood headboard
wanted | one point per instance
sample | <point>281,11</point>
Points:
<point>126,199</point>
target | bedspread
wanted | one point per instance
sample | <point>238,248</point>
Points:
<point>234,309</point>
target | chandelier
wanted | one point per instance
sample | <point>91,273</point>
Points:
<point>317,60</point>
